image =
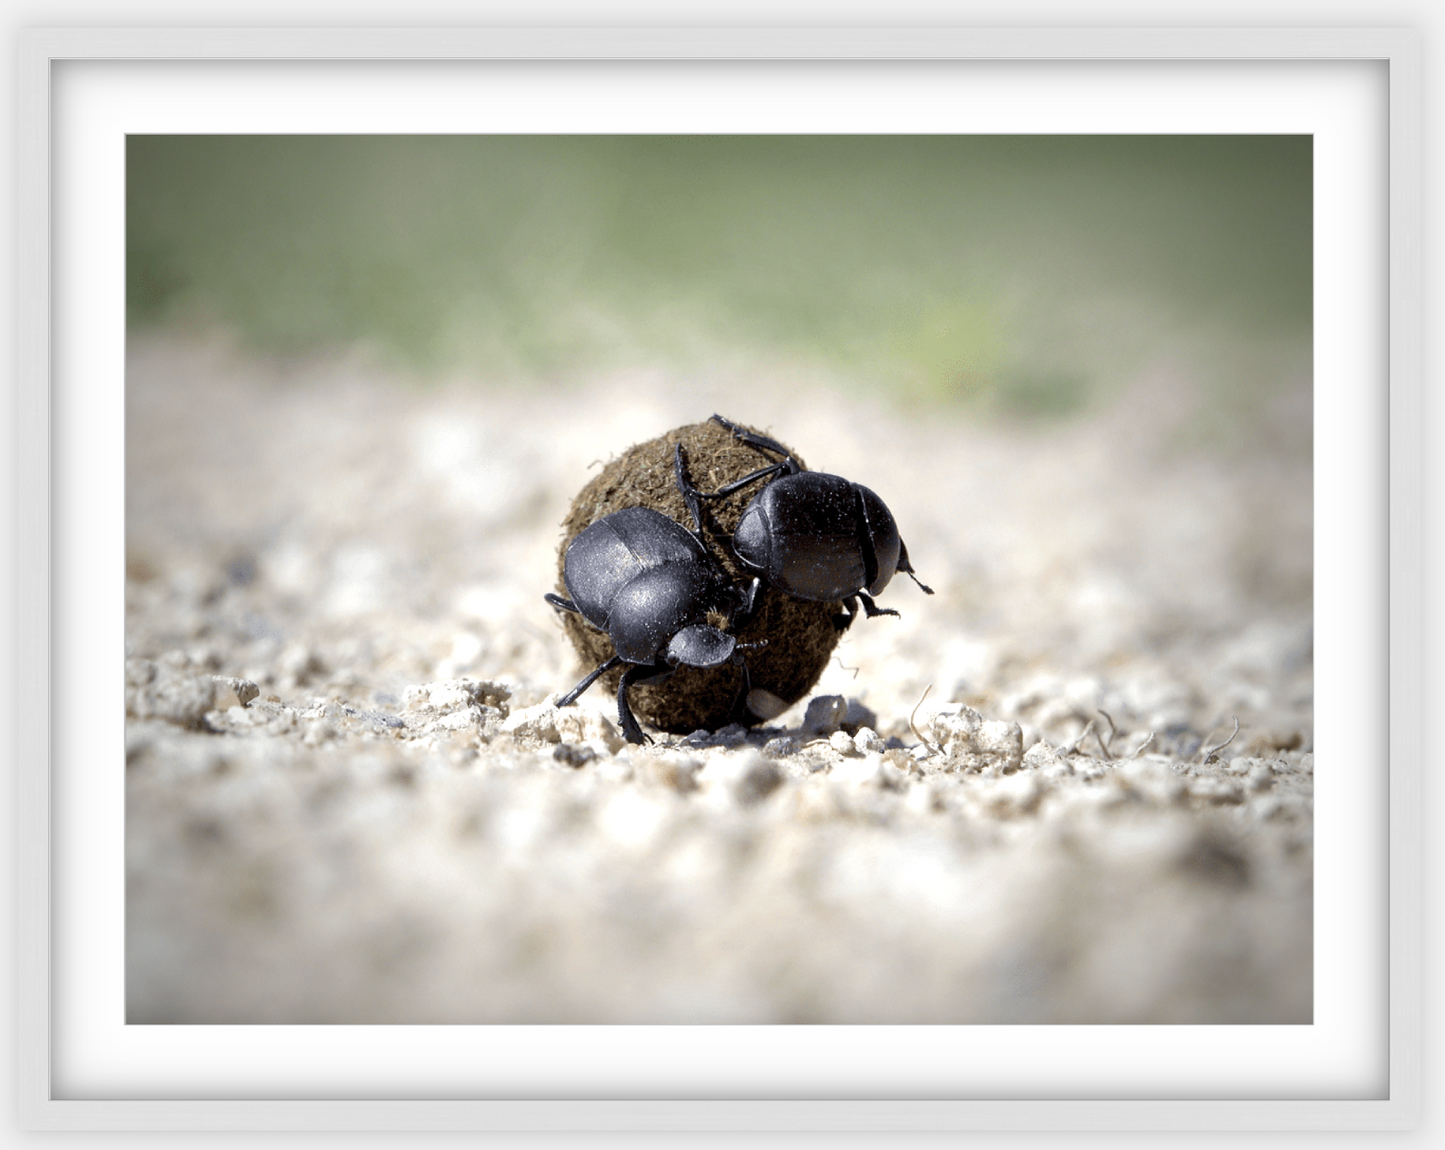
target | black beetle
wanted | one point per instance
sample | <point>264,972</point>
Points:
<point>652,586</point>
<point>814,536</point>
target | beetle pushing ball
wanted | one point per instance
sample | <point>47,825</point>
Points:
<point>694,619</point>
<point>653,587</point>
<point>817,536</point>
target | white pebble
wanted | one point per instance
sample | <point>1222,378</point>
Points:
<point>868,741</point>
<point>552,724</point>
<point>232,692</point>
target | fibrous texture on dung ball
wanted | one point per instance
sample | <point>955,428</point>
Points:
<point>800,636</point>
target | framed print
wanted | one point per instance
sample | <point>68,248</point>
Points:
<point>1093,356</point>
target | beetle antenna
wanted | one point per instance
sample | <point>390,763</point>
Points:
<point>907,567</point>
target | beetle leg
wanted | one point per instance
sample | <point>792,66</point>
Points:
<point>560,603</point>
<point>587,680</point>
<point>871,609</point>
<point>740,704</point>
<point>637,673</point>
<point>749,603</point>
<point>740,709</point>
<point>690,494</point>
<point>762,443</point>
<point>761,473</point>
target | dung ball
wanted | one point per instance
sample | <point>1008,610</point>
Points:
<point>800,635</point>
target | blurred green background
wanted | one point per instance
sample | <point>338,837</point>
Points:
<point>1020,275</point>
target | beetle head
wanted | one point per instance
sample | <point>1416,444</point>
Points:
<point>700,645</point>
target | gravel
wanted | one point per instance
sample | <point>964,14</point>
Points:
<point>350,798</point>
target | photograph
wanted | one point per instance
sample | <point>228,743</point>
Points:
<point>719,579</point>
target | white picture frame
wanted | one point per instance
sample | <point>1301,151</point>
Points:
<point>45,53</point>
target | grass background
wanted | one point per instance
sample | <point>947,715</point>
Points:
<point>1022,277</point>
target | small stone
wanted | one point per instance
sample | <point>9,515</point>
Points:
<point>955,725</point>
<point>446,696</point>
<point>842,742</point>
<point>573,755</point>
<point>733,735</point>
<point>548,723</point>
<point>824,714</point>
<point>455,694</point>
<point>1004,740</point>
<point>972,743</point>
<point>1045,758</point>
<point>857,717</point>
<point>232,692</point>
<point>902,760</point>
<point>868,741</point>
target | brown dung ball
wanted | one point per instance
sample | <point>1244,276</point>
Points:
<point>800,635</point>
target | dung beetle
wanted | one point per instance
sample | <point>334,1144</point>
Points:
<point>652,586</point>
<point>814,536</point>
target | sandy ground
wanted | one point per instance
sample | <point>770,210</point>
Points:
<point>349,798</point>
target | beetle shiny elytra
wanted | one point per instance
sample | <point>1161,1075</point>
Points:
<point>652,586</point>
<point>815,536</point>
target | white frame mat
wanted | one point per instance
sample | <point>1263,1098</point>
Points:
<point>45,352</point>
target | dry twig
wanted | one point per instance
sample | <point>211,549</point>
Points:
<point>1103,742</point>
<point>1209,754</point>
<point>1139,750</point>
<point>932,750</point>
